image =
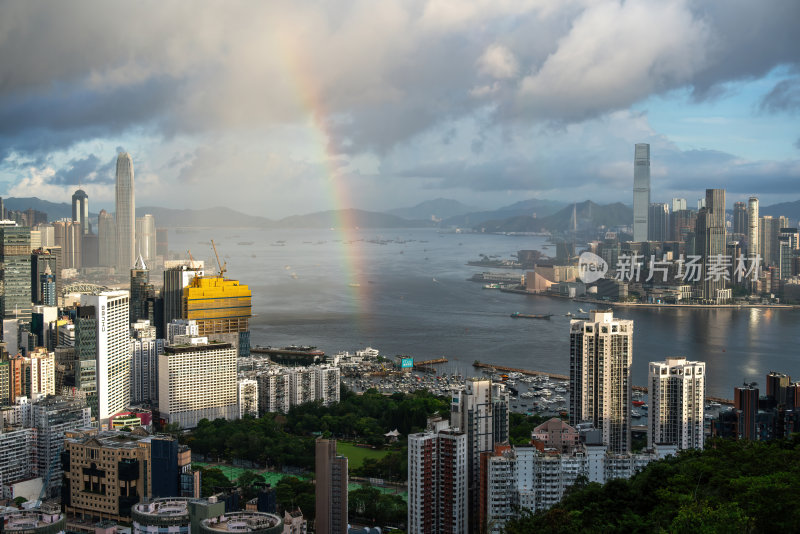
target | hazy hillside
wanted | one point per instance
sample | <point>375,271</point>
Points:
<point>441,208</point>
<point>589,215</point>
<point>789,209</point>
<point>349,218</point>
<point>54,210</point>
<point>218,217</point>
<point>526,208</point>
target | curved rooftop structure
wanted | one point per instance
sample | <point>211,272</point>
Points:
<point>243,522</point>
<point>166,513</point>
<point>44,520</point>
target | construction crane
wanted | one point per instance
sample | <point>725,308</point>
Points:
<point>222,266</point>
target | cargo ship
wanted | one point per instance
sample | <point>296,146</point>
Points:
<point>517,315</point>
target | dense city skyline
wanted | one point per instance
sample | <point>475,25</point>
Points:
<point>487,103</point>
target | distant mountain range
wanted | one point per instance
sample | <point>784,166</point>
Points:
<point>788,209</point>
<point>440,208</point>
<point>587,213</point>
<point>532,215</point>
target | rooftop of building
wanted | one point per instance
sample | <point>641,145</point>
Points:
<point>164,507</point>
<point>242,522</point>
<point>29,520</point>
<point>188,347</point>
<point>111,439</point>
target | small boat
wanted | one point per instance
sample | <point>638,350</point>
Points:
<point>638,403</point>
<point>518,315</point>
<point>568,314</point>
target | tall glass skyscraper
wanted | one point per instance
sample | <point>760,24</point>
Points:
<point>80,210</point>
<point>126,213</point>
<point>641,191</point>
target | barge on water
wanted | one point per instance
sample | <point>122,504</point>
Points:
<point>518,315</point>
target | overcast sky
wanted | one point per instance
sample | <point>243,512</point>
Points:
<point>278,108</point>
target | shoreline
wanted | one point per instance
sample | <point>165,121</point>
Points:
<point>654,305</point>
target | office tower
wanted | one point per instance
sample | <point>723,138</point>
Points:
<point>43,324</point>
<point>125,213</point>
<point>90,251</point>
<point>80,210</point>
<point>601,354</point>
<point>777,384</point>
<point>641,191</point>
<point>678,204</point>
<point>177,276</point>
<point>15,276</point>
<point>788,244</point>
<point>247,397</point>
<point>145,350</point>
<point>107,239</point>
<point>180,327</point>
<point>480,410</point>
<point>141,289</point>
<point>331,488</point>
<point>701,203</point>
<point>711,244</point>
<point>197,380</point>
<point>740,218</point>
<point>145,237</point>
<point>2,209</point>
<point>658,222</point>
<point>768,242</point>
<point>47,283</point>
<point>113,351</point>
<point>437,480</point>
<point>752,226</point>
<point>677,393</point>
<point>85,343</point>
<point>162,242</point>
<point>68,236</point>
<point>221,308</point>
<point>745,402</point>
<point>682,223</point>
<point>36,239</point>
<point>140,467</point>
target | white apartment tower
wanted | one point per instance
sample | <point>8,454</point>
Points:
<point>126,213</point>
<point>247,397</point>
<point>197,380</point>
<point>273,391</point>
<point>752,227</point>
<point>437,481</point>
<point>601,354</point>
<point>328,378</point>
<point>113,351</point>
<point>677,390</point>
<point>641,191</point>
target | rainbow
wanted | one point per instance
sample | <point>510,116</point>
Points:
<point>310,99</point>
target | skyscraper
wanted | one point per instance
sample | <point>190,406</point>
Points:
<point>47,282</point>
<point>222,309</point>
<point>752,226</point>
<point>141,291</point>
<point>176,278</point>
<point>331,488</point>
<point>745,402</point>
<point>658,222</point>
<point>146,237</point>
<point>601,354</point>
<point>107,239</point>
<point>437,480</point>
<point>68,236</point>
<point>113,351</point>
<point>740,218</point>
<point>677,392</point>
<point>711,243</point>
<point>480,410</point>
<point>126,213</point>
<point>80,210</point>
<point>768,232</point>
<point>641,191</point>
<point>197,380</point>
<point>15,276</point>
<point>678,204</point>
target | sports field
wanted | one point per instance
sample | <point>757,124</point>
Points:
<point>357,455</point>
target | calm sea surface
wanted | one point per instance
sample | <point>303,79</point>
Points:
<point>406,292</point>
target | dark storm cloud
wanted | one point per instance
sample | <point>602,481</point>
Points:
<point>785,96</point>
<point>85,170</point>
